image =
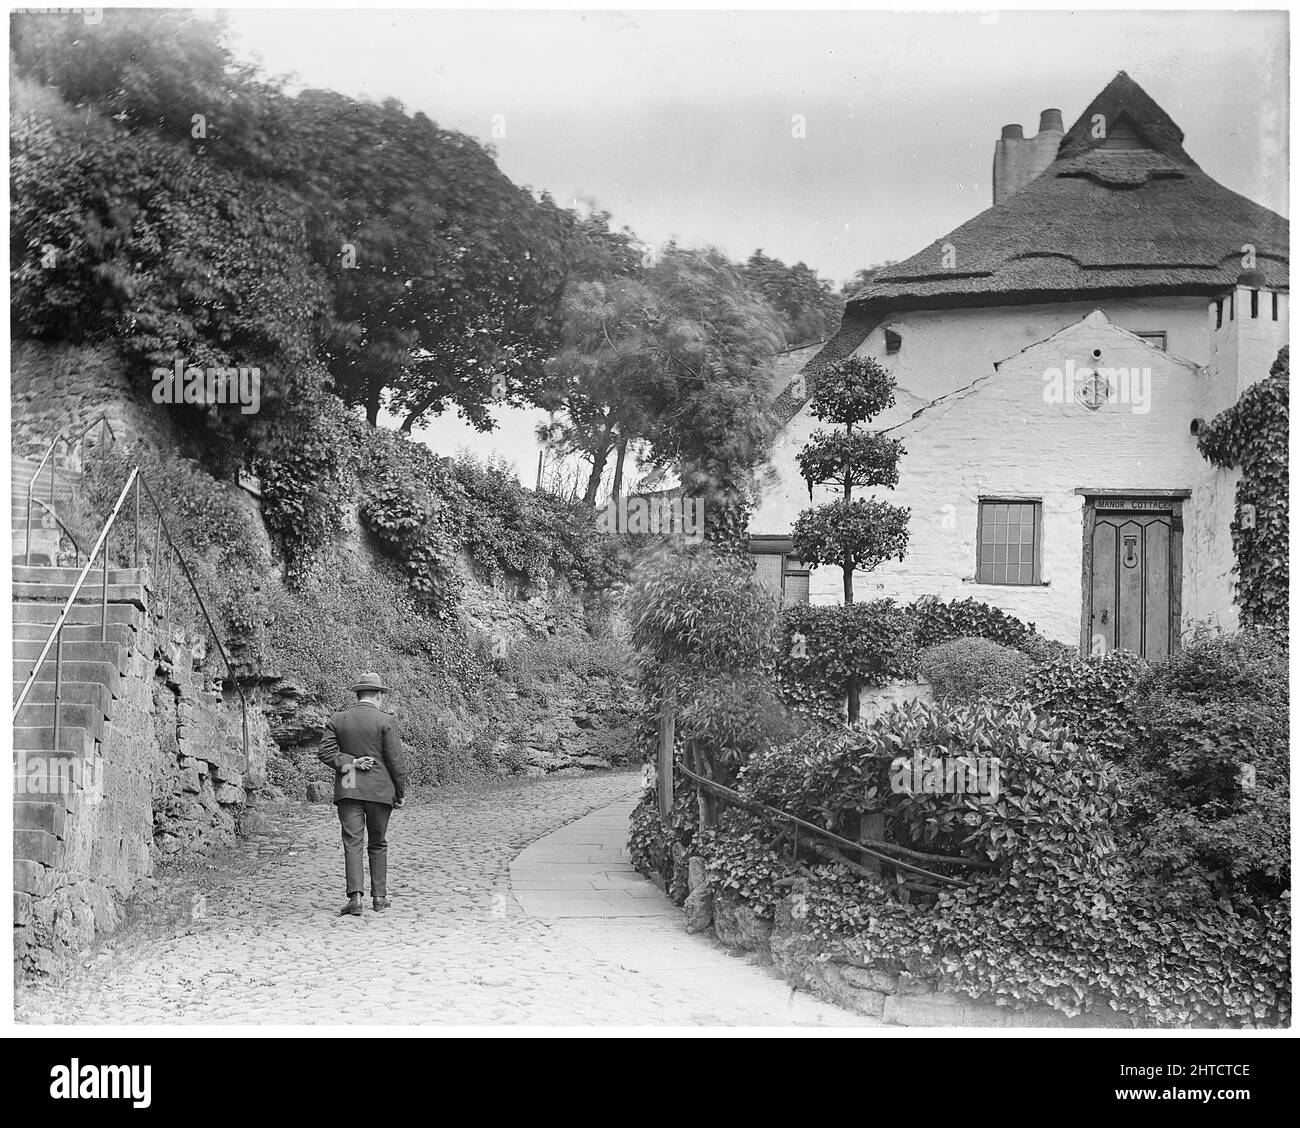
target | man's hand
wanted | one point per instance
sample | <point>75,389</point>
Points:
<point>364,763</point>
<point>397,803</point>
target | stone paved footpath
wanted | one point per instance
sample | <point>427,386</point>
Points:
<point>482,932</point>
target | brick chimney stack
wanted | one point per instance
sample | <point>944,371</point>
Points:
<point>1018,159</point>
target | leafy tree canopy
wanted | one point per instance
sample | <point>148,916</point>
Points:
<point>808,305</point>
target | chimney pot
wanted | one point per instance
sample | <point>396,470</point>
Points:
<point>1017,159</point>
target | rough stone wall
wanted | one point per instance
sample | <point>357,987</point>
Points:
<point>169,778</point>
<point>60,388</point>
<point>536,718</point>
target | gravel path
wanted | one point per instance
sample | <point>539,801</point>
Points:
<point>256,938</point>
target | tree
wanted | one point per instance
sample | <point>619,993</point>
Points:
<point>704,397</point>
<point>674,358</point>
<point>604,334</point>
<point>607,339</point>
<point>853,533</point>
<point>809,306</point>
<point>137,241</point>
<point>164,73</point>
<point>443,276</point>
<point>862,278</point>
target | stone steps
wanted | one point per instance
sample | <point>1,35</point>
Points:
<point>106,673</point>
<point>43,574</point>
<point>74,740</point>
<point>57,592</point>
<point>75,714</point>
<point>38,847</point>
<point>83,612</point>
<point>47,779</point>
<point>27,650</point>
<point>122,633</point>
<point>73,693</point>
<point>31,813</point>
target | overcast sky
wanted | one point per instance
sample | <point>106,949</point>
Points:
<point>683,124</point>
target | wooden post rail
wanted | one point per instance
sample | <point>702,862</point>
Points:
<point>738,800</point>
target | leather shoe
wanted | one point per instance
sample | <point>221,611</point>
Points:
<point>353,907</point>
<point>380,904</point>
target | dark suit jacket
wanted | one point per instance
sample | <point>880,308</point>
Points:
<point>364,730</point>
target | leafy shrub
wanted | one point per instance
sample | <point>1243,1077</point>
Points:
<point>651,841</point>
<point>739,859</point>
<point>410,501</point>
<point>782,775</point>
<point>426,509</point>
<point>1049,822</point>
<point>1039,648</point>
<point>938,622</point>
<point>705,631</point>
<point>729,717</point>
<point>823,649</point>
<point>306,482</point>
<point>701,613</point>
<point>353,619</point>
<point>510,531</point>
<point>1080,909</point>
<point>1092,698</point>
<point>1045,795</point>
<point>971,668</point>
<point>160,249</point>
<point>1081,950</point>
<point>1211,775</point>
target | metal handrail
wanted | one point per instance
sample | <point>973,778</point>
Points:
<point>70,442</point>
<point>163,530</point>
<point>57,631</point>
<point>76,547</point>
<point>134,479</point>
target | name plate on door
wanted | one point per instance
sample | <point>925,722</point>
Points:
<point>1131,503</point>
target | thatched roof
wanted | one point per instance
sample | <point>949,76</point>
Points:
<point>1129,214</point>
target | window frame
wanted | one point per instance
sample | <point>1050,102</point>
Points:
<point>781,547</point>
<point>1147,335</point>
<point>802,570</point>
<point>1036,574</point>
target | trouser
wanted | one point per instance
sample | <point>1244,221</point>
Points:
<point>364,819</point>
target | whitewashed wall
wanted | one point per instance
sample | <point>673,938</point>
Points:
<point>985,428</point>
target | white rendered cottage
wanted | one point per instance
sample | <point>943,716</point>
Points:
<point>1054,357</point>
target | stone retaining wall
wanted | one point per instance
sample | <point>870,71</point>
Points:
<point>169,778</point>
<point>893,997</point>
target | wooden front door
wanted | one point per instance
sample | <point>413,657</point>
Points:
<point>1132,577</point>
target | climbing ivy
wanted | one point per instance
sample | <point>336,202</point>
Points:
<point>1252,436</point>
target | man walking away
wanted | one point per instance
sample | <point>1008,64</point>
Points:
<point>362,747</point>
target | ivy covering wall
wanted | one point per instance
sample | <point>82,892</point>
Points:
<point>1252,436</point>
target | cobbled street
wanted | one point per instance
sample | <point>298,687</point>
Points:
<point>256,938</point>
